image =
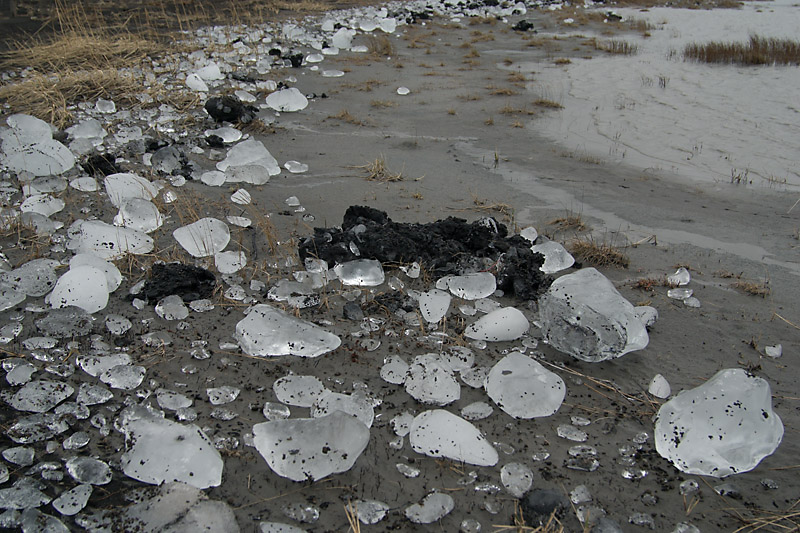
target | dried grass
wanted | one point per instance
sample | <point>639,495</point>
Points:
<point>501,91</point>
<point>757,51</point>
<point>617,47</point>
<point>547,103</point>
<point>380,46</point>
<point>569,222</point>
<point>752,287</point>
<point>345,116</point>
<point>378,171</point>
<point>602,254</point>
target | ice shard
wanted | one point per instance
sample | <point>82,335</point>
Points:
<point>439,433</point>
<point>433,507</point>
<point>505,324</point>
<point>523,388</point>
<point>287,100</point>
<point>725,426</point>
<point>267,331</point>
<point>83,286</point>
<point>472,286</point>
<point>206,237</point>
<point>125,186</point>
<point>304,449</point>
<point>582,314</point>
<point>433,305</point>
<point>556,257</point>
<point>28,145</point>
<point>246,155</point>
<point>432,382</point>
<point>106,241</point>
<point>360,272</point>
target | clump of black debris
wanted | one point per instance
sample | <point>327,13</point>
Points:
<point>449,246</point>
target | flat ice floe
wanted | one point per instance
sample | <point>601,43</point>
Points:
<point>206,237</point>
<point>523,388</point>
<point>439,433</point>
<point>267,331</point>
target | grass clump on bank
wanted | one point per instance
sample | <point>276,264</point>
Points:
<point>757,51</point>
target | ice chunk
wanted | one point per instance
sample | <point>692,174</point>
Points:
<point>723,427</point>
<point>529,234</point>
<point>680,294</point>
<point>89,470</point>
<point>241,197</point>
<point>403,91</point>
<point>295,167</point>
<point>66,322</point>
<point>125,377</point>
<point>659,387</point>
<point>172,400</point>
<point>210,72</point>
<point>582,314</point>
<point>370,511</point>
<point>300,391</point>
<point>228,134</point>
<point>523,388</point>
<point>36,428</point>
<point>124,186</point>
<point>477,411</point>
<point>352,404</point>
<point>266,331</point>
<point>163,451</point>
<point>40,396</point>
<point>646,314</point>
<point>9,298</point>
<point>439,433</point>
<point>89,394</point>
<point>343,38</point>
<point>433,305</point>
<point>22,496</point>
<point>556,257</point>
<point>73,501</point>
<point>43,204</point>
<point>139,214</point>
<point>106,241</point>
<point>83,286</point>
<point>94,365</point>
<point>230,262</point>
<point>504,324</point>
<point>178,508</point>
<point>203,238</point>
<point>433,507</point>
<point>19,455</point>
<point>172,308</point>
<point>680,278</point>
<point>305,449</point>
<point>28,145</point>
<point>35,278</point>
<point>213,178</point>
<point>472,286</point>
<point>773,351</point>
<point>222,395</point>
<point>394,370</point>
<point>287,100</point>
<point>105,106</point>
<point>278,527</point>
<point>111,272</point>
<point>361,272</point>
<point>432,382</point>
<point>516,478</point>
<point>196,83</point>
<point>249,156</point>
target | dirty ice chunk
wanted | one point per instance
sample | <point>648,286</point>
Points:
<point>723,427</point>
<point>361,272</point>
<point>94,365</point>
<point>43,204</point>
<point>36,428</point>
<point>164,451</point>
<point>172,308</point>
<point>179,508</point>
<point>35,278</point>
<point>351,404</point>
<point>196,83</point>
<point>659,387</point>
<point>139,214</point>
<point>504,324</point>
<point>529,234</point>
<point>433,507</point>
<point>439,433</point>
<point>73,501</point>
<point>106,241</point>
<point>295,167</point>
<point>250,153</point>
<point>172,400</point>
<point>556,257</point>
<point>370,511</point>
<point>343,38</point>
<point>394,370</point>
<point>84,184</point>
<point>433,305</point>
<point>110,270</point>
<point>582,314</point>
<point>222,395</point>
<point>89,470</point>
<point>523,388</point>
<point>203,238</point>
<point>432,382</point>
<point>773,351</point>
<point>646,314</point>
<point>516,478</point>
<point>477,411</point>
<point>287,100</point>
<point>278,527</point>
<point>125,377</point>
<point>124,186</point>
<point>213,178</point>
<point>297,390</point>
<point>305,449</point>
<point>28,145</point>
<point>83,286</point>
<point>680,278</point>
<point>22,496</point>
<point>472,286</point>
<point>230,262</point>
<point>9,298</point>
<point>40,396</point>
<point>267,331</point>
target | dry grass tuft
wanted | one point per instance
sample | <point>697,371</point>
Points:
<point>751,287</point>
<point>562,61</point>
<point>378,171</point>
<point>602,254</point>
<point>553,525</point>
<point>501,91</point>
<point>381,46</point>
<point>757,51</point>
<point>569,222</point>
<point>649,284</point>
<point>382,104</point>
<point>366,85</point>
<point>758,519</point>
<point>546,102</point>
<point>617,47</point>
<point>345,116</point>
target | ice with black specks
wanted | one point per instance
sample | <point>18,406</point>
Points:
<point>725,426</point>
<point>107,241</point>
<point>172,308</point>
<point>524,388</point>
<point>517,478</point>
<point>360,272</point>
<point>556,257</point>
<point>73,501</point>
<point>303,449</point>
<point>89,470</point>
<point>267,331</point>
<point>430,381</point>
<point>40,396</point>
<point>394,370</point>
<point>93,394</point>
<point>355,405</point>
<point>204,237</point>
<point>23,495</point>
<point>433,305</point>
<point>28,146</point>
<point>36,428</point>
<point>504,324</point>
<point>126,377</point>
<point>94,365</point>
<point>433,507</point>
<point>439,433</point>
<point>222,395</point>
<point>298,390</point>
<point>34,278</point>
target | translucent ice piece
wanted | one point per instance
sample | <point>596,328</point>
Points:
<point>582,314</point>
<point>35,278</point>
<point>247,154</point>
<point>178,508</point>
<point>659,387</point>
<point>403,91</point>
<point>351,404</point>
<point>73,501</point>
<point>110,270</point>
<point>505,324</point>
<point>36,428</point>
<point>361,272</point>
<point>106,241</point>
<point>172,400</point>
<point>439,433</point>
<point>529,234</point>
<point>343,38</point>
<point>22,496</point>
<point>266,331</point>
<point>227,134</point>
<point>40,396</point>
<point>164,451</point>
<point>295,167</point>
<point>516,478</point>
<point>83,286</point>
<point>89,470</point>
<point>523,388</point>
<point>222,395</point>
<point>680,278</point>
<point>124,186</point>
<point>429,381</point>
<point>298,390</point>
<point>28,145</point>
<point>230,262</point>
<point>196,83</point>
<point>571,433</point>
<point>370,511</point>
<point>472,286</point>
<point>433,507</point>
<point>172,308</point>
<point>305,449</point>
<point>773,351</point>
<point>287,100</point>
<point>433,305</point>
<point>556,257</point>
<point>125,377</point>
<point>203,238</point>
<point>723,427</point>
<point>139,214</point>
<point>680,294</point>
<point>43,204</point>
